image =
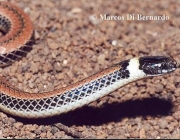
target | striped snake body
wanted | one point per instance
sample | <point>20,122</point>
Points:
<point>37,105</point>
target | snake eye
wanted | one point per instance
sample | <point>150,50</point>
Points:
<point>157,65</point>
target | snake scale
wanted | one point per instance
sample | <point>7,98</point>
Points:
<point>17,31</point>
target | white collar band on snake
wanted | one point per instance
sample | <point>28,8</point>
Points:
<point>18,31</point>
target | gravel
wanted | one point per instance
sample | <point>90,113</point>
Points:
<point>70,44</point>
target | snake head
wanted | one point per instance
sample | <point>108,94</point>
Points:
<point>157,65</point>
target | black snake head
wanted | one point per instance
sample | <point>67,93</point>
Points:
<point>157,65</point>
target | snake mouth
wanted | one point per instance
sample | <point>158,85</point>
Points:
<point>173,63</point>
<point>158,65</point>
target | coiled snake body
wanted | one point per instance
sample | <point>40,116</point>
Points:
<point>18,29</point>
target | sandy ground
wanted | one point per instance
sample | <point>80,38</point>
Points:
<point>75,39</point>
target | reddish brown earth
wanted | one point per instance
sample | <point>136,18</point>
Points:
<point>72,44</point>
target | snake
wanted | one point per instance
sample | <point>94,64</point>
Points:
<point>17,31</point>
